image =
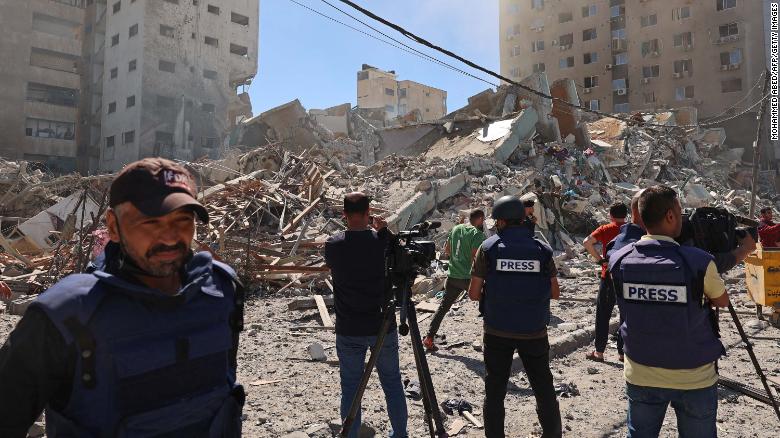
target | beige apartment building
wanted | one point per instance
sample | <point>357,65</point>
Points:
<point>380,89</point>
<point>637,55</point>
<point>91,85</point>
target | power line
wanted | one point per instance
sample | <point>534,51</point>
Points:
<point>410,50</point>
<point>471,64</point>
<point>748,94</point>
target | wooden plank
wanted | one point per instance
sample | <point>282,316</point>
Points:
<point>456,427</point>
<point>297,220</point>
<point>472,419</point>
<point>427,306</point>
<point>324,315</point>
<point>290,269</point>
<point>265,382</point>
<point>307,303</point>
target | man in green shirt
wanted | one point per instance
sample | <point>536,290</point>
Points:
<point>463,242</point>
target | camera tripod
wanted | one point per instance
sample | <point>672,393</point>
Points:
<point>402,266</point>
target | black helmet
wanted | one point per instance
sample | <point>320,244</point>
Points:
<point>508,208</point>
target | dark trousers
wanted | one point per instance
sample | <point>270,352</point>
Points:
<point>605,302</point>
<point>535,354</point>
<point>452,290</point>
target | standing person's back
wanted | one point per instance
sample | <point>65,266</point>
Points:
<point>356,258</point>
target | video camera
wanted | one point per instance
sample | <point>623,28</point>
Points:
<point>715,230</point>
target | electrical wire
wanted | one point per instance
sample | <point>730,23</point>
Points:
<point>748,94</point>
<point>471,64</point>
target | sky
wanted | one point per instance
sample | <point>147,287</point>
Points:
<point>305,56</point>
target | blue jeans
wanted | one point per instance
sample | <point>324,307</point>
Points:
<point>352,356</point>
<point>696,409</point>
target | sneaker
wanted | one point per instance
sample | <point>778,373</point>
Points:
<point>429,345</point>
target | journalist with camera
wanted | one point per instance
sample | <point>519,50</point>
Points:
<point>516,275</point>
<point>356,258</point>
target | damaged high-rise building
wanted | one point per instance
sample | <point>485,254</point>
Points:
<point>379,89</point>
<point>105,83</point>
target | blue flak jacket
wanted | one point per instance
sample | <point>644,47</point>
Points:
<point>659,287</point>
<point>148,364</point>
<point>517,287</point>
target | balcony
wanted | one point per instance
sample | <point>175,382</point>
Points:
<point>619,45</point>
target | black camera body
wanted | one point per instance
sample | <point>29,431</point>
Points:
<point>715,230</point>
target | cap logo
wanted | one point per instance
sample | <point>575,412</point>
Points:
<point>172,178</point>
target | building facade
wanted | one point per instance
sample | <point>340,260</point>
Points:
<point>640,55</point>
<point>104,83</point>
<point>380,89</point>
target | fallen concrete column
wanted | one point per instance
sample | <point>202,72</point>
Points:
<point>422,203</point>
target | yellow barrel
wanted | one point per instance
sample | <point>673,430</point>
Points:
<point>762,275</point>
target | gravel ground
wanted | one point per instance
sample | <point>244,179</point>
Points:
<point>307,396</point>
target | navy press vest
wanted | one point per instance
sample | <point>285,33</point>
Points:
<point>148,364</point>
<point>659,287</point>
<point>517,287</point>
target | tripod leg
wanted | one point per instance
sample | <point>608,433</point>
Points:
<point>424,372</point>
<point>380,340</point>
<point>749,348</point>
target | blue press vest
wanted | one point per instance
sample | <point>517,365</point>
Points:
<point>659,287</point>
<point>629,233</point>
<point>517,287</point>
<point>148,364</point>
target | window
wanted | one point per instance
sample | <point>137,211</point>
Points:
<point>52,95</point>
<point>515,72</point>
<point>128,137</point>
<point>175,2</point>
<point>730,29</point>
<point>731,85</point>
<point>621,59</point>
<point>114,40</point>
<point>166,31</point>
<point>389,92</point>
<point>55,26</point>
<point>362,75</point>
<point>733,57</point>
<point>683,65</point>
<point>114,72</point>
<point>402,93</point>
<point>589,58</point>
<point>649,20</point>
<point>390,108</point>
<point>589,34</point>
<point>117,7</point>
<point>513,9</point>
<point>49,129</point>
<point>651,71</point>
<point>211,41</point>
<point>239,19</point>
<point>594,104</point>
<point>537,46</point>
<point>589,11</point>
<point>649,97</point>
<point>130,102</point>
<point>516,51</point>
<point>619,34</point>
<point>621,107</point>
<point>682,93</point>
<point>567,62</point>
<point>110,141</point>
<point>566,40</point>
<point>131,65</point>
<point>650,48</point>
<point>167,66</point>
<point>165,102</point>
<point>112,107</point>
<point>54,60</point>
<point>726,4</point>
<point>537,4</point>
<point>213,9</point>
<point>619,84</point>
<point>133,30</point>
<point>681,13</point>
<point>591,81</point>
<point>239,50</point>
<point>684,39</point>
<point>208,108</point>
<point>538,68</point>
<point>209,74</point>
<point>617,11</point>
<point>565,17</point>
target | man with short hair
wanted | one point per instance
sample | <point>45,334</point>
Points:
<point>768,231</point>
<point>665,292</point>
<point>356,258</point>
<point>461,246</point>
<point>530,219</point>
<point>605,301</point>
<point>146,344</point>
<point>516,276</point>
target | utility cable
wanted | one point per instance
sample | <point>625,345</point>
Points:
<point>471,64</point>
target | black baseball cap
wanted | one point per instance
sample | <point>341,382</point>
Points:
<point>528,203</point>
<point>156,187</point>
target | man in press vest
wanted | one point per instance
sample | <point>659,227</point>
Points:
<point>665,292</point>
<point>517,276</point>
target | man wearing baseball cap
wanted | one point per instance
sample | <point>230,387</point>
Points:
<point>143,345</point>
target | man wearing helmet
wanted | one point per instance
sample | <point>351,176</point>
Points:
<point>516,276</point>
